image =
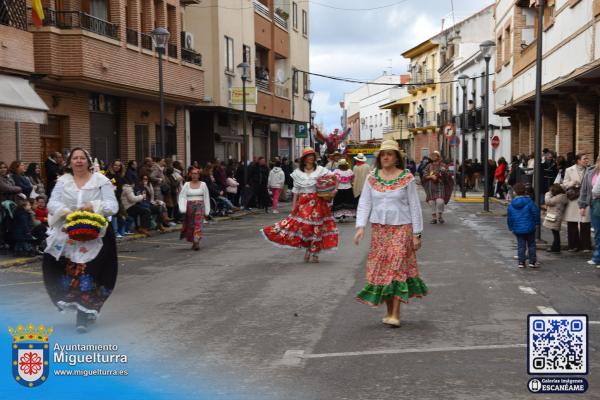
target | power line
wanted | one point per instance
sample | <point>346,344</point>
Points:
<point>310,2</point>
<point>366,82</point>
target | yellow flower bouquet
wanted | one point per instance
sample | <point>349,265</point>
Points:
<point>84,226</point>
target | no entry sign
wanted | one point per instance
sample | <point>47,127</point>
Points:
<point>495,142</point>
<point>454,141</point>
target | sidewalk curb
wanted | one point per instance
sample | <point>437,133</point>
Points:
<point>17,262</point>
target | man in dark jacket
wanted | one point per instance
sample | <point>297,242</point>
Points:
<point>258,178</point>
<point>53,166</point>
<point>549,172</point>
<point>523,218</point>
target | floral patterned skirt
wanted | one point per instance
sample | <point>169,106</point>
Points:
<point>391,266</point>
<point>194,219</point>
<point>83,286</point>
<point>310,226</point>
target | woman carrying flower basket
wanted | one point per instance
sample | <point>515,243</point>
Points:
<point>310,226</point>
<point>80,264</point>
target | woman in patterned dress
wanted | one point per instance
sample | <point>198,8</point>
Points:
<point>80,276</point>
<point>438,184</point>
<point>310,226</point>
<point>390,202</point>
<point>194,200</point>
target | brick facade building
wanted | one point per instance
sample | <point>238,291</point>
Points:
<point>97,71</point>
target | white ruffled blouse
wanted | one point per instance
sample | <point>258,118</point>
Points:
<point>307,183</point>
<point>66,198</point>
<point>394,204</point>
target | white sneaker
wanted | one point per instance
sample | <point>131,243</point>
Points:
<point>119,236</point>
<point>172,223</point>
<point>591,262</point>
<point>275,212</point>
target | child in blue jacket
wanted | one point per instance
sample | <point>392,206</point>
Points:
<point>523,218</point>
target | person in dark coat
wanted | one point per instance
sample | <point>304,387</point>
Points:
<point>523,218</point>
<point>21,228</point>
<point>53,167</point>
<point>17,172</point>
<point>549,172</point>
<point>258,178</point>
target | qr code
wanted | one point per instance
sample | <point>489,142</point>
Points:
<point>557,344</point>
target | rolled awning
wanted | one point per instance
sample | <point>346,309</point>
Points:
<point>19,102</point>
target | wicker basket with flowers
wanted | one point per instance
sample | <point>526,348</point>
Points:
<point>84,226</point>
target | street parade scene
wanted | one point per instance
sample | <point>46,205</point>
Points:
<point>272,199</point>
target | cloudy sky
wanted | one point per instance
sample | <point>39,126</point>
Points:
<point>360,43</point>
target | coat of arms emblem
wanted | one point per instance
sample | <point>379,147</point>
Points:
<point>30,354</point>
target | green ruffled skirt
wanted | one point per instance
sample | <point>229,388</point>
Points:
<point>377,294</point>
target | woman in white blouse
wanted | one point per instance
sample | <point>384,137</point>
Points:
<point>80,275</point>
<point>310,226</point>
<point>194,199</point>
<point>390,201</point>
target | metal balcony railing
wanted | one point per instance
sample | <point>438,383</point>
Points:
<point>78,19</point>
<point>14,13</point>
<point>191,57</point>
<point>132,36</point>
<point>146,41</point>
<point>262,9</point>
<point>263,85</point>
<point>396,127</point>
<point>282,91</point>
<point>172,50</point>
<point>410,122</point>
<point>431,118</point>
<point>279,20</point>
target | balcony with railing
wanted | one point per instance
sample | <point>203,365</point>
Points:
<point>81,20</point>
<point>281,18</point>
<point>263,85</point>
<point>14,13</point>
<point>146,41</point>
<point>431,119</point>
<point>191,56</point>
<point>262,9</point>
<point>132,36</point>
<point>172,50</point>
<point>282,91</point>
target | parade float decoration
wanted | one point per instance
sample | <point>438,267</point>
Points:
<point>84,226</point>
<point>333,140</point>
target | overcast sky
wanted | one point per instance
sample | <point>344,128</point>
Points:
<point>364,43</point>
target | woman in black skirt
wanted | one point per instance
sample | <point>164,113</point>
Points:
<point>344,203</point>
<point>80,275</point>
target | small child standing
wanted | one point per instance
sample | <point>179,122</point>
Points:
<point>275,182</point>
<point>41,212</point>
<point>523,218</point>
<point>556,202</point>
<point>22,228</point>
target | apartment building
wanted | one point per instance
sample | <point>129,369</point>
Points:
<point>271,36</point>
<point>96,69</point>
<point>361,108</point>
<point>570,78</point>
<point>425,89</point>
<point>21,109</point>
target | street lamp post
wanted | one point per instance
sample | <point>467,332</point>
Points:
<point>537,171</point>
<point>308,96</point>
<point>160,37</point>
<point>313,115</point>
<point>462,81</point>
<point>245,71</point>
<point>486,50</point>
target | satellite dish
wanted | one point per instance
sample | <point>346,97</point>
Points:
<point>280,75</point>
<point>503,96</point>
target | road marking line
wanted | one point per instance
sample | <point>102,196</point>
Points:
<point>547,310</point>
<point>290,354</point>
<point>134,258</point>
<point>527,290</point>
<point>594,322</point>
<point>21,283</point>
<point>25,272</point>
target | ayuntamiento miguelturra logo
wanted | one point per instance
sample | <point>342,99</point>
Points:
<point>30,354</point>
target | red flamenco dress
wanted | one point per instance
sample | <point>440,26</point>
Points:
<point>310,226</point>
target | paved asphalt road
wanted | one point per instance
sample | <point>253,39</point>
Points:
<point>246,320</point>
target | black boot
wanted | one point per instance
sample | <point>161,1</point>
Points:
<point>82,322</point>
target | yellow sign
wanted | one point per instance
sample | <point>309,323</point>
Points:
<point>364,150</point>
<point>235,95</point>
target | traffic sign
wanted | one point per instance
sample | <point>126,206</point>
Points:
<point>454,141</point>
<point>496,142</point>
<point>449,130</point>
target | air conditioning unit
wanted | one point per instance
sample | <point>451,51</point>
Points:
<point>187,40</point>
